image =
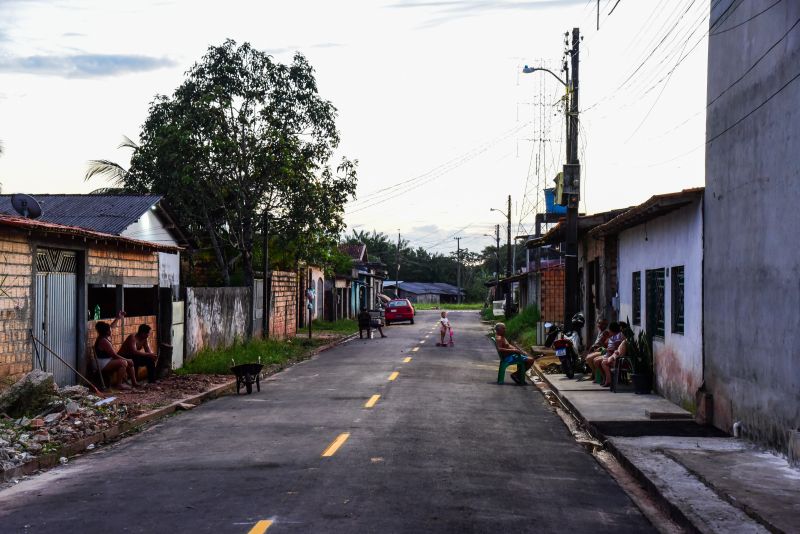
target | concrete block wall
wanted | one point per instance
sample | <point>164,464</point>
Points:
<point>216,317</point>
<point>16,313</point>
<point>752,261</point>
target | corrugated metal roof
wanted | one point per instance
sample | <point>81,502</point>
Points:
<point>43,227</point>
<point>655,206</point>
<point>426,288</point>
<point>585,224</point>
<point>109,214</point>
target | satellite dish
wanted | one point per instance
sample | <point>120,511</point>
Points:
<point>26,205</point>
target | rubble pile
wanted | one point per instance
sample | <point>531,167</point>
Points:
<point>67,415</point>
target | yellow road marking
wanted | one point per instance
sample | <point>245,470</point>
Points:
<point>393,376</point>
<point>421,342</point>
<point>427,336</point>
<point>407,359</point>
<point>338,442</point>
<point>372,400</point>
<point>260,527</point>
<point>415,349</point>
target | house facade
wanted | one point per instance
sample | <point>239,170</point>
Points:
<point>752,262</point>
<point>660,277</point>
<point>58,281</point>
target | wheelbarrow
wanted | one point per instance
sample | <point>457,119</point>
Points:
<point>247,374</point>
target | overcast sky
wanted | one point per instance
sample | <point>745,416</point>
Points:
<point>430,96</point>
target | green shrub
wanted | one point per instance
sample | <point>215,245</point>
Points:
<point>487,314</point>
<point>526,320</point>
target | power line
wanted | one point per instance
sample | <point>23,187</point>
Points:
<point>748,20</point>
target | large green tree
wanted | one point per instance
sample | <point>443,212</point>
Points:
<point>246,139</point>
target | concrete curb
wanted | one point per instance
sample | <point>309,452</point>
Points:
<point>674,513</point>
<point>118,431</point>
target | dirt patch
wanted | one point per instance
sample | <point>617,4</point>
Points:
<point>168,390</point>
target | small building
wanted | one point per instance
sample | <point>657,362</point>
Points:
<point>660,273</point>
<point>366,280</point>
<point>140,217</point>
<point>57,280</point>
<point>425,292</point>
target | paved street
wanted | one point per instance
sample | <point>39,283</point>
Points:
<point>443,449</point>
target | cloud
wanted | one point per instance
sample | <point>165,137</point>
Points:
<point>327,45</point>
<point>73,34</point>
<point>455,9</point>
<point>83,65</point>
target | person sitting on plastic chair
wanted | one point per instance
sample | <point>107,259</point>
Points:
<point>509,354</point>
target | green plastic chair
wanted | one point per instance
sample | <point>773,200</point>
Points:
<point>505,361</point>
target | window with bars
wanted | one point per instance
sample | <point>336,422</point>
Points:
<point>677,299</point>
<point>655,302</point>
<point>637,298</point>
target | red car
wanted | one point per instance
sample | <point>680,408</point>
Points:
<point>399,310</point>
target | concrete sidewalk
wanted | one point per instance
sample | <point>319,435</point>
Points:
<point>706,480</point>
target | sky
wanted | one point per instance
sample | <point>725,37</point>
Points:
<point>430,96</point>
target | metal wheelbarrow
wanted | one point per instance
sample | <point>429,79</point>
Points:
<point>247,374</point>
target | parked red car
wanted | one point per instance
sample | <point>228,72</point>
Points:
<point>399,310</point>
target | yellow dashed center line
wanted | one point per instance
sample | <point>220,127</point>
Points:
<point>338,442</point>
<point>372,400</point>
<point>260,527</point>
<point>421,342</point>
<point>393,376</point>
<point>407,359</point>
<point>415,349</point>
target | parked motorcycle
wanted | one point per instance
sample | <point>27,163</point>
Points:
<point>567,344</point>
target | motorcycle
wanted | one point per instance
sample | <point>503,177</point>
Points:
<point>567,345</point>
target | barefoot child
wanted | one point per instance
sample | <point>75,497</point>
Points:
<point>444,329</point>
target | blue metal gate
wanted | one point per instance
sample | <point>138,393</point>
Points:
<point>56,313</point>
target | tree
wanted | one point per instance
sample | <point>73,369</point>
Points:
<point>244,139</point>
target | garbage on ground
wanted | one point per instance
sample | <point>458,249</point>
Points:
<point>59,416</point>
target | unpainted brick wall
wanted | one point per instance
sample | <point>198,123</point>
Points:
<point>16,272</point>
<point>552,295</point>
<point>123,328</point>
<point>283,313</point>
<point>123,263</point>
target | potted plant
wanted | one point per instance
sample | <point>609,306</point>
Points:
<point>640,352</point>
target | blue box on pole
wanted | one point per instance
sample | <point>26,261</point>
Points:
<point>550,202</point>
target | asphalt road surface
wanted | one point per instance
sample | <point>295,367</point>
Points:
<point>442,449</point>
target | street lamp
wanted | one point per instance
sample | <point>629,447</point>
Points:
<point>508,255</point>
<point>571,176</point>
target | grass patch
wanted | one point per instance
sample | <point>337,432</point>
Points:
<point>487,314</point>
<point>218,361</point>
<point>448,307</point>
<point>342,326</point>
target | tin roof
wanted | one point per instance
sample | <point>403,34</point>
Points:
<point>109,214</point>
<point>585,224</point>
<point>42,227</point>
<point>655,206</point>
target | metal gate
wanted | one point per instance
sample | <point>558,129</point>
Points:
<point>56,313</point>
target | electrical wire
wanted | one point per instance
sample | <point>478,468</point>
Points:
<point>748,20</point>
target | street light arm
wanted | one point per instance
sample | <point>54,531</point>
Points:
<point>529,70</point>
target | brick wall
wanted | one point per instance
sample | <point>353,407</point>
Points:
<point>123,328</point>
<point>552,295</point>
<point>16,272</point>
<point>283,313</point>
<point>112,265</point>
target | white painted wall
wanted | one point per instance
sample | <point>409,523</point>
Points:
<point>672,240</point>
<point>150,228</point>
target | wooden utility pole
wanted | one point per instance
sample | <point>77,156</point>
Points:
<point>458,271</point>
<point>397,271</point>
<point>508,259</point>
<point>265,300</point>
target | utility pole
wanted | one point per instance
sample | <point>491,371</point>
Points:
<point>572,189</point>
<point>508,259</point>
<point>458,263</point>
<point>498,289</point>
<point>397,271</point>
<point>265,301</point>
